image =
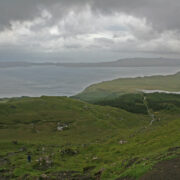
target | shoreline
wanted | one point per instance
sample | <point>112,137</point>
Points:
<point>95,83</point>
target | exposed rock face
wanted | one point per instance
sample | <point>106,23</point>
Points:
<point>88,169</point>
<point>43,163</point>
<point>61,127</point>
<point>122,142</point>
<point>15,142</point>
<point>99,174</point>
<point>69,152</point>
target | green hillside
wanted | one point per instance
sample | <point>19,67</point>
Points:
<point>70,139</point>
<point>114,88</point>
<point>29,117</point>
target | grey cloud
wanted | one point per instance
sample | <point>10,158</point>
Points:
<point>153,29</point>
<point>162,13</point>
<point>28,9</point>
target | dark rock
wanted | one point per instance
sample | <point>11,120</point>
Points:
<point>174,149</point>
<point>23,149</point>
<point>13,107</point>
<point>99,174</point>
<point>88,169</point>
<point>69,152</point>
<point>15,142</point>
<point>3,161</point>
<point>131,162</point>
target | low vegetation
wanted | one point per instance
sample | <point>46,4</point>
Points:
<point>119,136</point>
<point>109,89</point>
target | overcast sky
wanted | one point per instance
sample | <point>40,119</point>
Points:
<point>88,30</point>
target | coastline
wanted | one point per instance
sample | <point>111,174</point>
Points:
<point>99,82</point>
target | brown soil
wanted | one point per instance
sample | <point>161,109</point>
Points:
<point>165,170</point>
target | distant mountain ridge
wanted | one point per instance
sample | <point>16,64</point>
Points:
<point>128,62</point>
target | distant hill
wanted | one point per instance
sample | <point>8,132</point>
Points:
<point>10,64</point>
<point>128,62</point>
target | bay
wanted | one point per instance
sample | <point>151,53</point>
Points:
<point>65,81</point>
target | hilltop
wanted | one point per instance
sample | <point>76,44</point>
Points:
<point>129,62</point>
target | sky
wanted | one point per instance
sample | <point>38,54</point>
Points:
<point>88,30</point>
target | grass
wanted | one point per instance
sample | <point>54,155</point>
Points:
<point>109,89</point>
<point>113,136</point>
<point>32,122</point>
<point>94,134</point>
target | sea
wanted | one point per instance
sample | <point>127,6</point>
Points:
<point>37,81</point>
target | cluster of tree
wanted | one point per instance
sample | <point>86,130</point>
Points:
<point>135,103</point>
<point>163,101</point>
<point>130,102</point>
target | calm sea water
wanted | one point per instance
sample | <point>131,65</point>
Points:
<point>64,81</point>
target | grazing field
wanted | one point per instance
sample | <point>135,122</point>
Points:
<point>70,139</point>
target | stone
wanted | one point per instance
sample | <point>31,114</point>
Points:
<point>61,127</point>
<point>122,142</point>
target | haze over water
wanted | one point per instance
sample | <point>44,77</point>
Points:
<point>65,81</point>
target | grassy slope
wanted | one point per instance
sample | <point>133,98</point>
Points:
<point>94,133</point>
<point>124,93</point>
<point>109,89</point>
<point>42,115</point>
<point>33,123</point>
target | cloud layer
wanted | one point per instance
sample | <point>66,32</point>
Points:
<point>79,30</point>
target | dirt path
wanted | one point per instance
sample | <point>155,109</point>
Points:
<point>165,170</point>
<point>149,111</point>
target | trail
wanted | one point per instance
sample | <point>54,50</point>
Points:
<point>149,111</point>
